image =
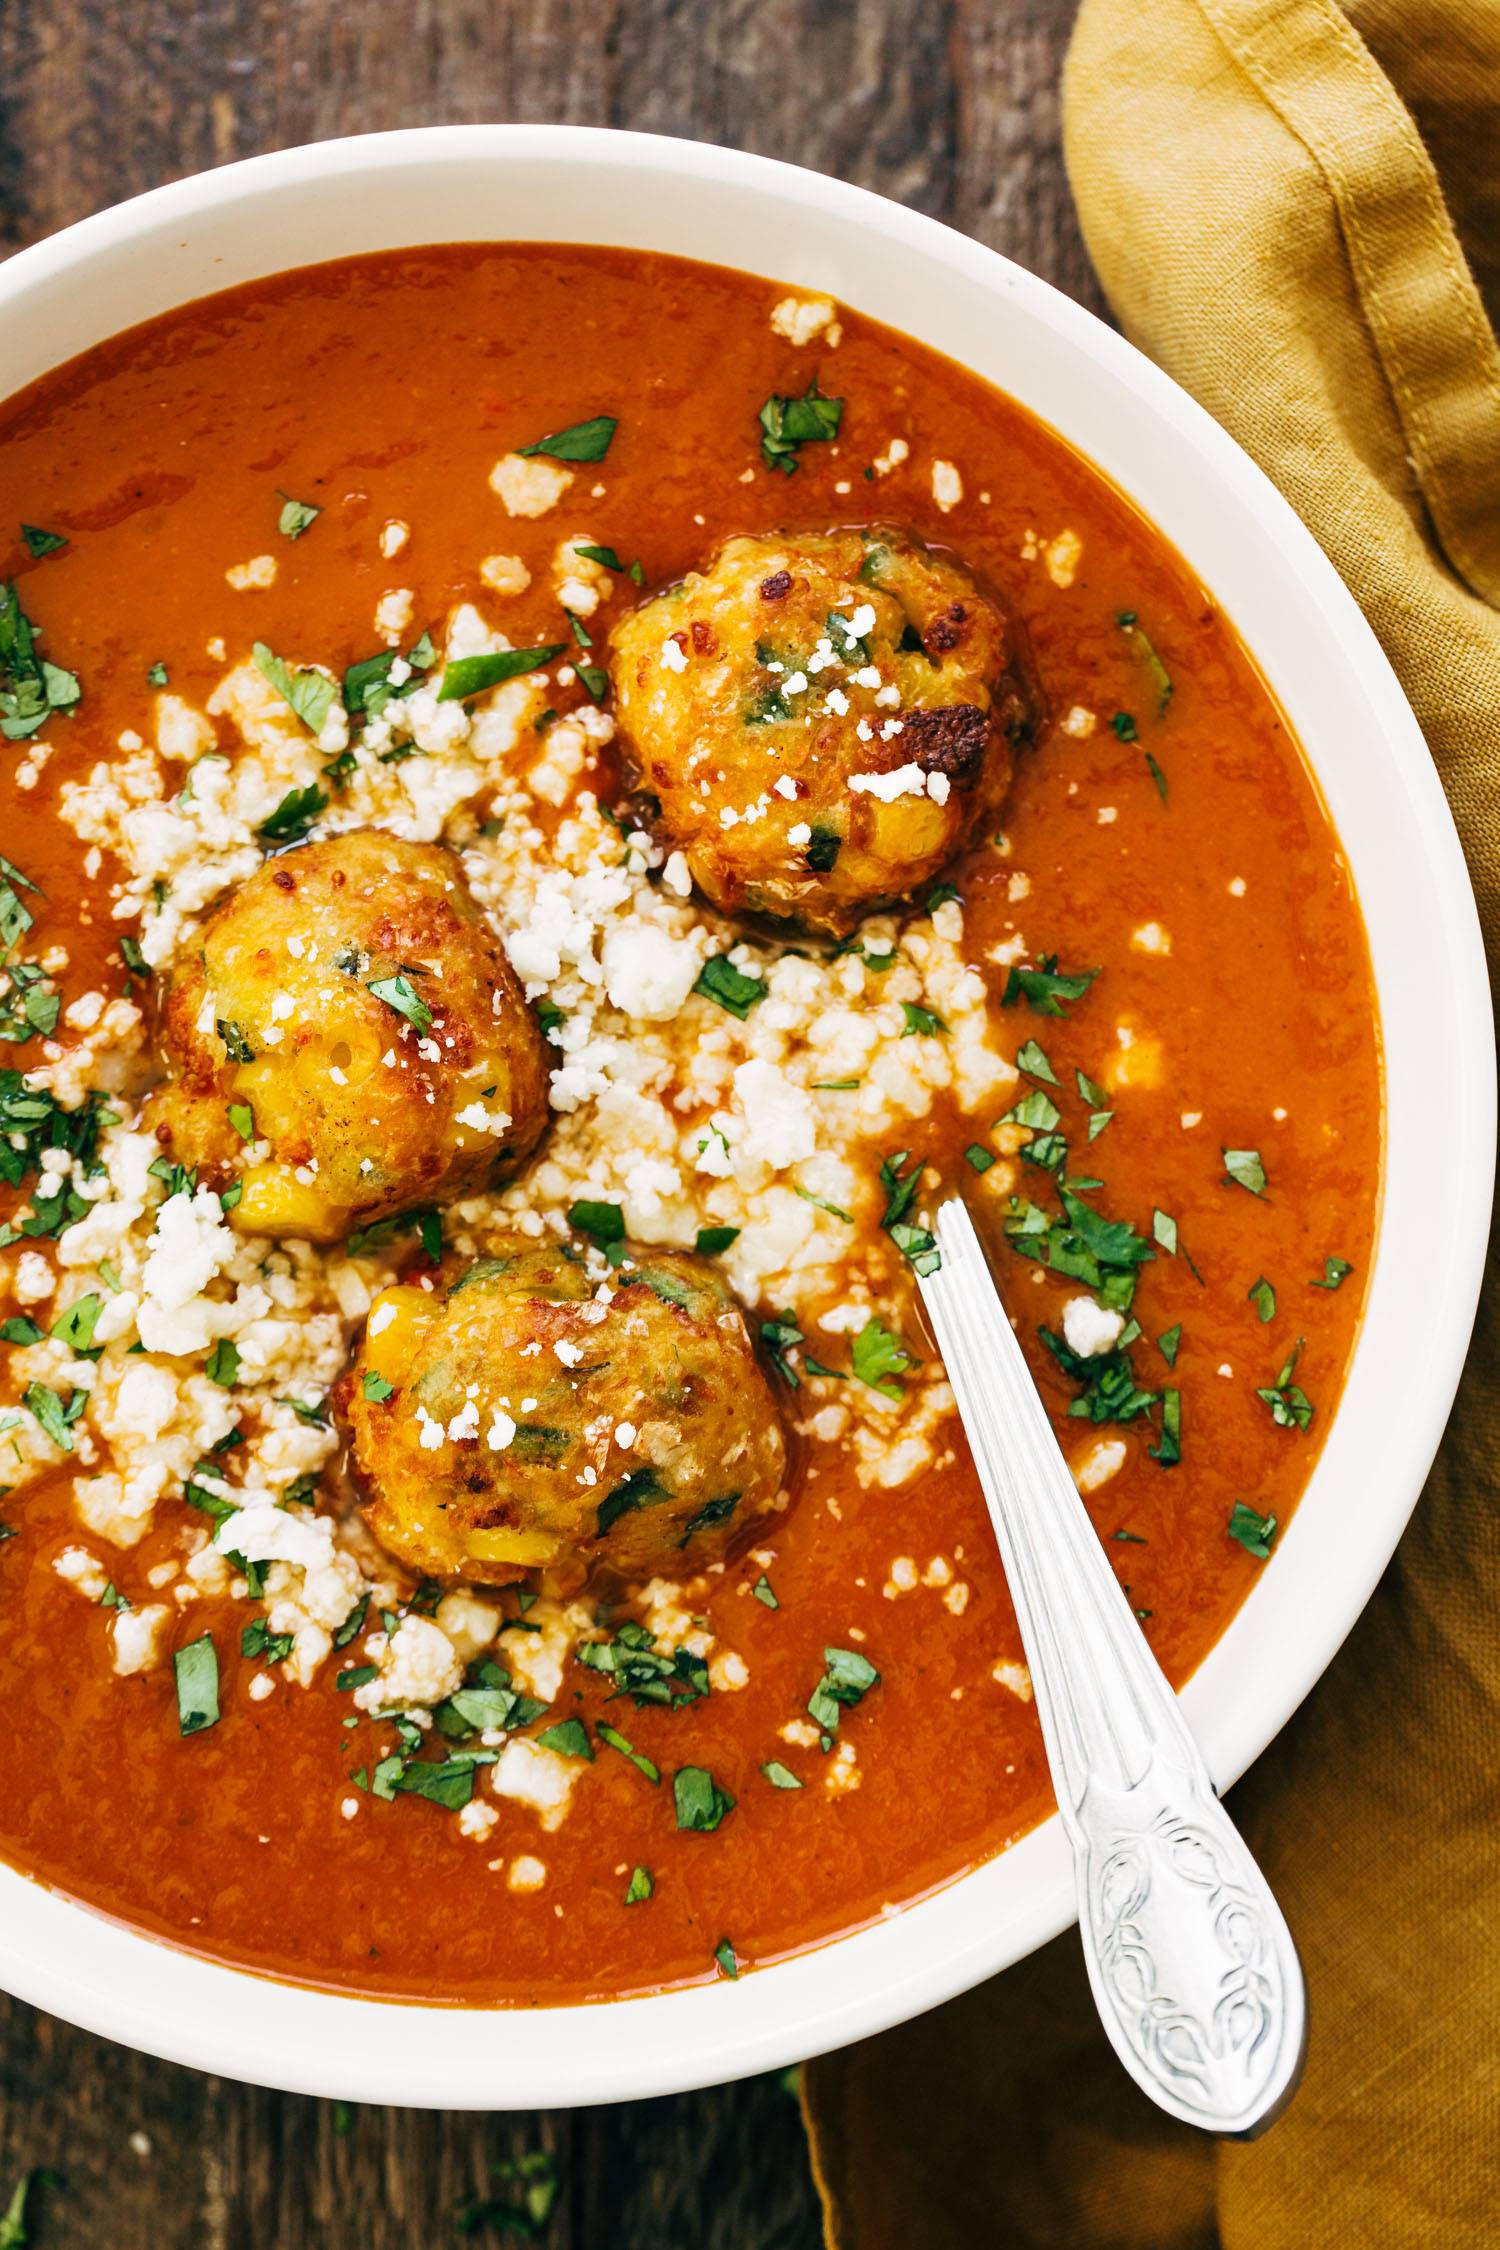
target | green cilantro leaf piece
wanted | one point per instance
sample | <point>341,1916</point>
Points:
<point>376,1388</point>
<point>1335,1272</point>
<point>1291,1409</point>
<point>242,1117</point>
<point>879,1359</point>
<point>847,1680</point>
<point>765,1592</point>
<point>780,1776</point>
<point>1046,987</point>
<point>719,980</point>
<point>701,1804</point>
<point>312,695</point>
<point>787,424</point>
<point>223,1364</point>
<point>296,517</point>
<point>922,1021</point>
<point>977,1158</point>
<point>569,1738</point>
<point>603,1223</point>
<point>294,816</point>
<point>711,1240</point>
<point>627,1749</point>
<point>401,995</point>
<point>1263,1297</point>
<point>1033,1060</point>
<point>580,441</point>
<point>1161,679</point>
<point>1256,1533</point>
<point>1170,1343</point>
<point>1158,778</point>
<point>1245,1169</point>
<point>39,542</point>
<point>724,1955</point>
<point>640,1887</point>
<point>197,1669</point>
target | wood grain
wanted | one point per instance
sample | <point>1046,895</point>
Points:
<point>950,106</point>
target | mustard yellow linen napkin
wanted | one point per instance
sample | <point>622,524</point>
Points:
<point>1295,208</point>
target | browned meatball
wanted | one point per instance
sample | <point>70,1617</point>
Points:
<point>820,720</point>
<point>351,1041</point>
<point>513,1422</point>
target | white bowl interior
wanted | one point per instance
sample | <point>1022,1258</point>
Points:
<point>1322,662</point>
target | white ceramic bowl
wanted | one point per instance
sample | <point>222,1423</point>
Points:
<point>553,183</point>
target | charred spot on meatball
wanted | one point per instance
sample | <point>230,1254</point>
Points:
<point>349,1042</point>
<point>818,721</point>
<point>518,1422</point>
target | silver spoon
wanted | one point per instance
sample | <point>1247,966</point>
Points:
<point>1194,1971</point>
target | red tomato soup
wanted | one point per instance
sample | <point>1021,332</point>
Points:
<point>559,801</point>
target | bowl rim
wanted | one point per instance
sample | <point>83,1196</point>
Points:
<point>126,1985</point>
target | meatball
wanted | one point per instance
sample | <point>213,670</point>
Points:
<point>514,1421</point>
<point>819,721</point>
<point>350,1041</point>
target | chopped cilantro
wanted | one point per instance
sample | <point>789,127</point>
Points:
<point>978,1159</point>
<point>701,1804</point>
<point>1124,726</point>
<point>1046,987</point>
<point>780,1337</point>
<point>847,1680</point>
<point>1335,1272</point>
<point>75,1327</point>
<point>640,1887</point>
<point>647,1674</point>
<point>1245,1169</point>
<point>1256,1533</point>
<point>712,1512</point>
<point>31,689</point>
<point>823,848</point>
<point>296,517</point>
<point>765,1592</point>
<point>1159,779</point>
<point>914,1242</point>
<point>724,1955</point>
<point>569,1738</point>
<point>197,1670</point>
<point>158,674</point>
<point>719,980</point>
<point>39,542</point>
<point>603,1223</point>
<point>711,1240</point>
<point>921,1020</point>
<point>376,1388</point>
<point>1164,1231</point>
<point>236,1046</point>
<point>1036,1110</point>
<point>1291,1409</point>
<point>312,695</point>
<point>242,1117</point>
<point>879,1359</point>
<point>53,1415</point>
<point>1161,679</point>
<point>1033,1060</point>
<point>294,816</point>
<point>1263,1297</point>
<point>786,424</point>
<point>580,441</point>
<point>627,1749</point>
<point>821,1203</point>
<point>223,1364</point>
<point>780,1776</point>
<point>400,994</point>
<point>1170,1342</point>
<point>1169,1451</point>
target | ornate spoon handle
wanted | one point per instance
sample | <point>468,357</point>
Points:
<point>1193,1968</point>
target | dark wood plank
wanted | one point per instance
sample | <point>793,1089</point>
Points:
<point>951,107</point>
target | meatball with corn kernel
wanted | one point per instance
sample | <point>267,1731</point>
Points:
<point>522,1419</point>
<point>349,1042</point>
<point>820,720</point>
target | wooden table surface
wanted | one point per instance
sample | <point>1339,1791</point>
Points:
<point>950,106</point>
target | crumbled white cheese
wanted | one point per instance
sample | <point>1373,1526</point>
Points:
<point>528,484</point>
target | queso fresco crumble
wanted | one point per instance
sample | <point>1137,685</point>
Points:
<point>461,1244</point>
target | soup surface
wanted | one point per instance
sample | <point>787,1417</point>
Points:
<point>1132,1021</point>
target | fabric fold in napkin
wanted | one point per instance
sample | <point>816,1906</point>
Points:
<point>1295,209</point>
